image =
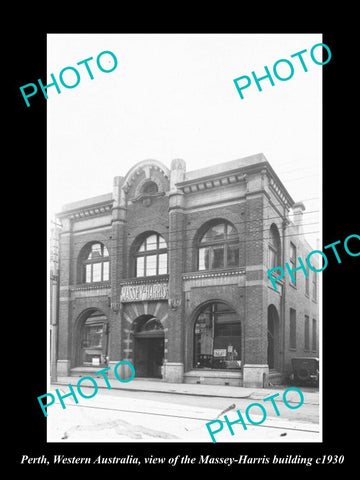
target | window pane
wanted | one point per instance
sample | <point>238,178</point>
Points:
<point>150,187</point>
<point>272,258</point>
<point>203,341</point>
<point>105,271</point>
<point>233,256</point>
<point>140,267</point>
<point>292,252</point>
<point>95,251</point>
<point>105,252</point>
<point>314,286</point>
<point>307,282</point>
<point>162,263</point>
<point>142,247</point>
<point>216,232</point>
<point>218,257</point>
<point>204,256</point>
<point>231,232</point>
<point>151,243</point>
<point>88,273</point>
<point>217,338</point>
<point>162,243</point>
<point>293,263</point>
<point>96,272</point>
<point>150,265</point>
<point>93,336</point>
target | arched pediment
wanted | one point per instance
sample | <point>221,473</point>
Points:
<point>146,171</point>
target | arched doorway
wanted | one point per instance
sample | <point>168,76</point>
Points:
<point>93,334</point>
<point>148,346</point>
<point>273,338</point>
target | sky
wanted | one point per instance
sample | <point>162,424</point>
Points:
<point>173,96</point>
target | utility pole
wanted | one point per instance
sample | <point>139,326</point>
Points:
<point>54,296</point>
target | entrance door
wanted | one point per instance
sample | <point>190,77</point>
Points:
<point>148,347</point>
<point>149,356</point>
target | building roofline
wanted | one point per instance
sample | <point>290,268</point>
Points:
<point>246,165</point>
<point>91,202</point>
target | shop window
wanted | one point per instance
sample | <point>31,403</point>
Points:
<point>217,338</point>
<point>93,348</point>
<point>218,247</point>
<point>151,257</point>
<point>95,263</point>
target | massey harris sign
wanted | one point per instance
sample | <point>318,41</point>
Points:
<point>143,292</point>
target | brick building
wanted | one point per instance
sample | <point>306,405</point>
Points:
<point>169,272</point>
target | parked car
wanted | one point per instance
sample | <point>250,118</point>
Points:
<point>305,371</point>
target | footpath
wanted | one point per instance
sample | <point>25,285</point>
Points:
<point>311,395</point>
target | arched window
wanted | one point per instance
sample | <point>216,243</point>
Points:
<point>218,247</point>
<point>95,263</point>
<point>217,338</point>
<point>150,188</point>
<point>151,256</point>
<point>274,247</point>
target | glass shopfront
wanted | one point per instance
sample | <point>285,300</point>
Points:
<point>217,338</point>
<point>94,336</point>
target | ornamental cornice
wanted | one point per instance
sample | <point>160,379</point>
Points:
<point>207,183</point>
<point>278,191</point>
<point>90,286</point>
<point>90,212</point>
<point>145,280</point>
<point>229,273</point>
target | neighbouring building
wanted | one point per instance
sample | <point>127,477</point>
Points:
<point>169,272</point>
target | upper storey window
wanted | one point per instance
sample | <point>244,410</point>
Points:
<point>274,247</point>
<point>150,188</point>
<point>219,247</point>
<point>151,256</point>
<point>96,263</point>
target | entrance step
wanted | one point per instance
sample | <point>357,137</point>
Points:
<point>214,377</point>
<point>275,377</point>
<point>85,371</point>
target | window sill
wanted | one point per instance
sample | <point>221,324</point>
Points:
<point>209,372</point>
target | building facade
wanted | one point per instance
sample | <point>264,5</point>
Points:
<point>169,272</point>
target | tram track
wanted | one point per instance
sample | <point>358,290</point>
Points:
<point>186,417</point>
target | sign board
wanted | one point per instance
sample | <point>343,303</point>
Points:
<point>220,352</point>
<point>143,292</point>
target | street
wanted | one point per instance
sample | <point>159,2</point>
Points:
<point>119,415</point>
